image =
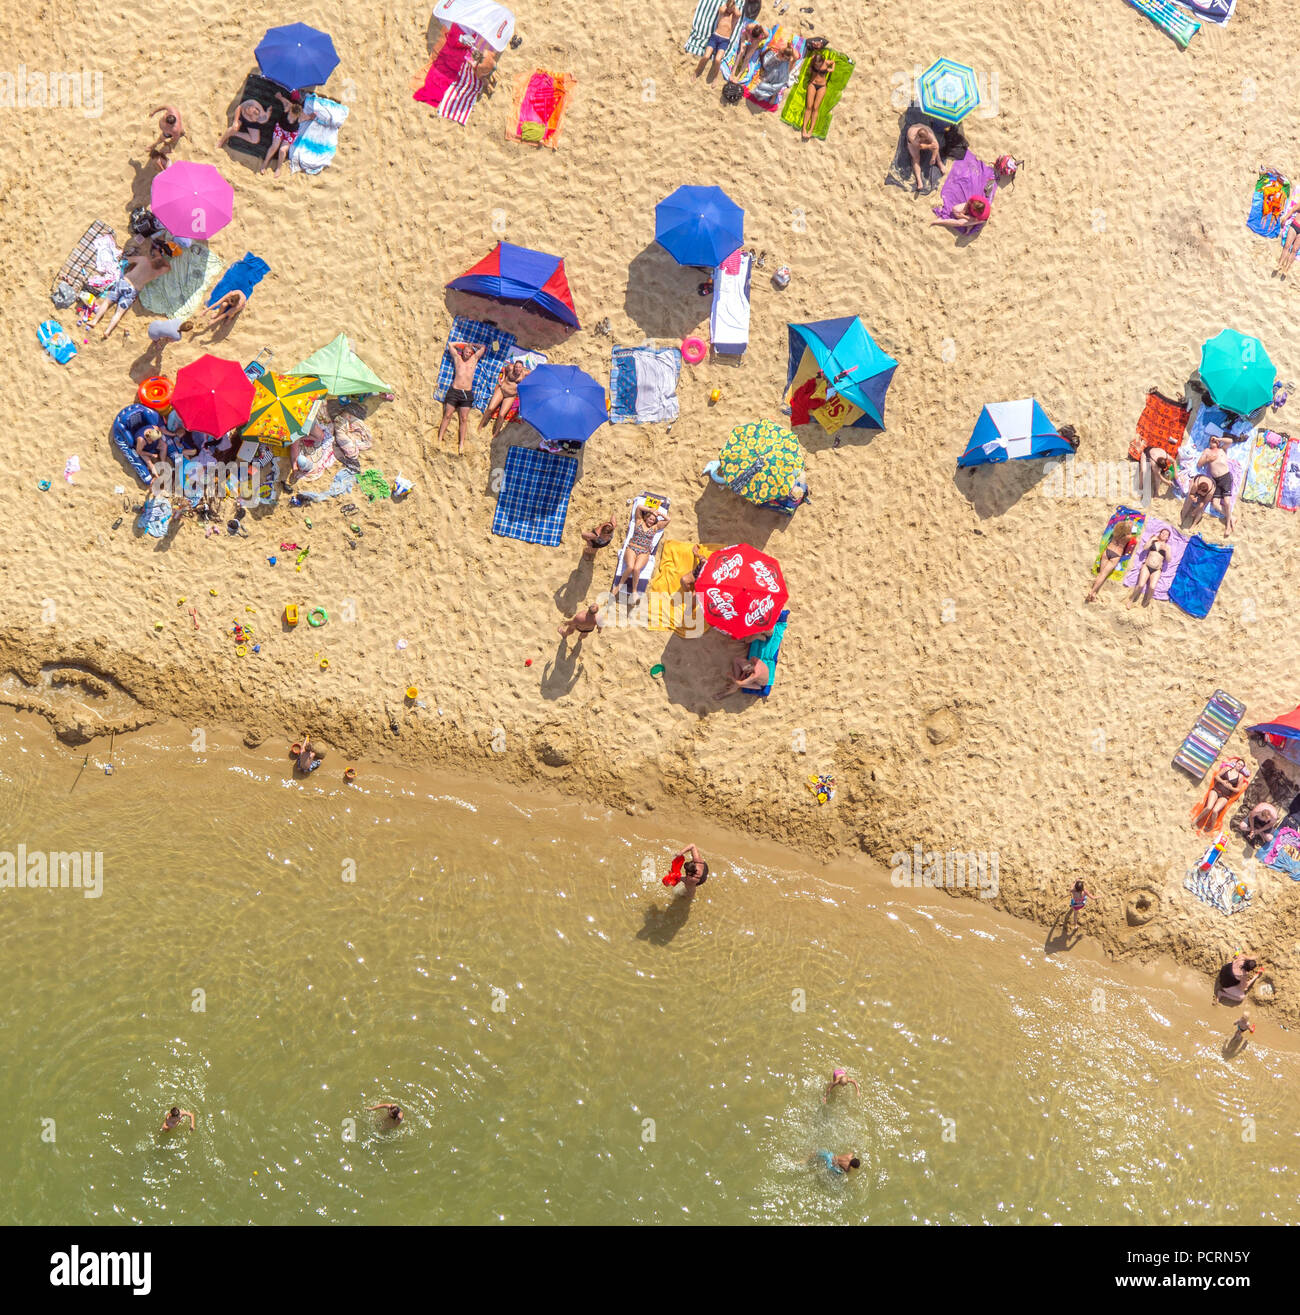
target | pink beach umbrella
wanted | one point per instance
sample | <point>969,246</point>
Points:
<point>192,200</point>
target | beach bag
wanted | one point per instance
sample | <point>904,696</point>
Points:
<point>143,223</point>
<point>732,93</point>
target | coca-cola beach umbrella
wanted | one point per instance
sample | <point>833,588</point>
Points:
<point>741,590</point>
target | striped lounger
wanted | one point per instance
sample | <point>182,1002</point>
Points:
<point>1212,731</point>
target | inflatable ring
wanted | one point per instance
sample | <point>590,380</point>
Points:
<point>241,651</point>
<point>694,350</point>
<point>317,612</point>
<point>156,393</point>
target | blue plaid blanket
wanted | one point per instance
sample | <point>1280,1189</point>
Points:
<point>534,497</point>
<point>488,369</point>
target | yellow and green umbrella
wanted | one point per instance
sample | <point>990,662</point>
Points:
<point>282,406</point>
<point>761,462</point>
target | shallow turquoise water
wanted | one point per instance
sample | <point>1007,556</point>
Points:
<point>992,1089</point>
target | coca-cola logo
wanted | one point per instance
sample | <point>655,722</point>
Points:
<point>758,610</point>
<point>721,603</point>
<point>765,577</point>
<point>728,568</point>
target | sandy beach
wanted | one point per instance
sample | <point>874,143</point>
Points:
<point>940,661</point>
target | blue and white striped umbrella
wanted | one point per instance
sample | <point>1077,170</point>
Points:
<point>949,91</point>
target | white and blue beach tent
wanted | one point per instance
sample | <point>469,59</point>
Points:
<point>1013,431</point>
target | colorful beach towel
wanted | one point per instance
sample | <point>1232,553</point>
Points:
<point>702,25</point>
<point>968,177</point>
<point>770,86</point>
<point>461,97</point>
<point>317,141</point>
<point>1169,18</point>
<point>1264,470</point>
<point>1213,422</point>
<point>1211,732</point>
<point>793,110</point>
<point>900,170</point>
<point>643,385</point>
<point>1177,544</point>
<point>1217,888</point>
<point>541,98</point>
<point>1288,492</point>
<point>534,496</point>
<point>178,292</point>
<point>1267,201</point>
<point>1162,424</point>
<point>1283,852</point>
<point>1196,582</point>
<point>444,72</point>
<point>243,276</point>
<point>1136,519</point>
<point>499,345</point>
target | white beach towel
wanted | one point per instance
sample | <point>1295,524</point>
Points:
<point>647,572</point>
<point>317,141</point>
<point>729,319</point>
<point>108,263</point>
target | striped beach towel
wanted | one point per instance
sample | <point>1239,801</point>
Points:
<point>534,497</point>
<point>1169,18</point>
<point>488,371</point>
<point>1264,471</point>
<point>1211,732</point>
<point>702,25</point>
<point>1217,888</point>
<point>461,96</point>
<point>78,267</point>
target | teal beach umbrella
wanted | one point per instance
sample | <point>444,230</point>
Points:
<point>1237,372</point>
<point>949,90</point>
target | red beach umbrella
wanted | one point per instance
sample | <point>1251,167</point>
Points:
<point>212,395</point>
<point>742,590</point>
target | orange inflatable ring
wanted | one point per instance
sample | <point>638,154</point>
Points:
<point>694,350</point>
<point>156,393</point>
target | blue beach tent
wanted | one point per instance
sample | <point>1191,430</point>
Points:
<point>854,367</point>
<point>532,279</point>
<point>1013,431</point>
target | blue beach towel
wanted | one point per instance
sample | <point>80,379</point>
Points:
<point>1169,18</point>
<point>768,649</point>
<point>1199,575</point>
<point>643,385</point>
<point>534,497</point>
<point>499,346</point>
<point>1256,221</point>
<point>243,276</point>
<point>54,338</point>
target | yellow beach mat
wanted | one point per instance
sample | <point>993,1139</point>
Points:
<point>666,607</point>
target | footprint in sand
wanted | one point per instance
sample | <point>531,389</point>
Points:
<point>942,727</point>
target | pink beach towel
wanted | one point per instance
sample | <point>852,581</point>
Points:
<point>1177,546</point>
<point>445,70</point>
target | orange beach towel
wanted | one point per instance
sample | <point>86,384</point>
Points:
<point>1161,425</point>
<point>1212,787</point>
<point>540,100</point>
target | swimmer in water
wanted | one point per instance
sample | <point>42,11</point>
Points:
<point>395,1115</point>
<point>838,1165</point>
<point>840,1079</point>
<point>175,1117</point>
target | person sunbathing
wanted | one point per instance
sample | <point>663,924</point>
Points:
<point>247,113</point>
<point>225,310</point>
<point>586,620</point>
<point>750,40</point>
<point>505,397</point>
<point>1215,461</point>
<point>282,139</point>
<point>142,265</point>
<point>1199,493</point>
<point>151,448</point>
<point>820,68</point>
<point>1153,565</point>
<point>465,357</point>
<point>170,131</point>
<point>599,536</point>
<point>922,141</point>
<point>723,26</point>
<point>1155,472</point>
<point>1289,226</point>
<point>1259,826</point>
<point>1122,542</point>
<point>968,214</point>
<point>1229,782</point>
<point>647,522</point>
<point>746,673</point>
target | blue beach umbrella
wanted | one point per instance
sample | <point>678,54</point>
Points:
<point>562,402</point>
<point>297,56</point>
<point>1013,431</point>
<point>949,90</point>
<point>854,366</point>
<point>699,226</point>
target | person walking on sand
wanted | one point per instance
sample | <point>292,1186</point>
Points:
<point>1078,898</point>
<point>838,1166</point>
<point>1122,542</point>
<point>393,1112</point>
<point>839,1078</point>
<point>599,536</point>
<point>1232,986</point>
<point>465,357</point>
<point>1238,1041</point>
<point>175,1117</point>
<point>1153,565</point>
<point>170,132</point>
<point>728,17</point>
<point>922,141</point>
<point>586,620</point>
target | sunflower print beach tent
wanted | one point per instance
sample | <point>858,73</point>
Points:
<point>283,407</point>
<point>762,461</point>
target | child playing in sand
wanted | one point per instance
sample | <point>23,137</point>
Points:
<point>1258,828</point>
<point>505,396</point>
<point>1153,565</point>
<point>598,537</point>
<point>460,396</point>
<point>282,139</point>
<point>247,113</point>
<point>728,17</point>
<point>170,131</point>
<point>1078,898</point>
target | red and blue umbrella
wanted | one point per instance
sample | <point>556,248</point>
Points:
<point>741,590</point>
<point>562,402</point>
<point>212,394</point>
<point>297,56</point>
<point>192,200</point>
<point>699,226</point>
<point>534,280</point>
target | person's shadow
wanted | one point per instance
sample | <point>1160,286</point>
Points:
<point>1061,936</point>
<point>1235,1045</point>
<point>573,592</point>
<point>563,671</point>
<point>662,924</point>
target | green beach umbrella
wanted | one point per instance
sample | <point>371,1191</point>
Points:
<point>342,371</point>
<point>761,461</point>
<point>949,91</point>
<point>1237,372</point>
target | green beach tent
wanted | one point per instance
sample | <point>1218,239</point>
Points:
<point>342,371</point>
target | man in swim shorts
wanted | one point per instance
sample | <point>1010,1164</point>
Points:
<point>1214,461</point>
<point>840,1166</point>
<point>728,17</point>
<point>141,265</point>
<point>460,396</point>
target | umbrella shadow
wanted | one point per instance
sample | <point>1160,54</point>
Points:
<point>519,433</point>
<point>994,489</point>
<point>815,439</point>
<point>662,297</point>
<point>696,669</point>
<point>529,328</point>
<point>723,517</point>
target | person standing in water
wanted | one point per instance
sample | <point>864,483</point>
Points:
<point>394,1113</point>
<point>840,1079</point>
<point>175,1117</point>
<point>1238,1041</point>
<point>840,1166</point>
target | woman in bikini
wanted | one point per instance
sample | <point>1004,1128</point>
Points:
<point>1229,783</point>
<point>282,139</point>
<point>599,537</point>
<point>582,623</point>
<point>247,113</point>
<point>647,522</point>
<point>1290,225</point>
<point>504,405</point>
<point>839,1078</point>
<point>1122,542</point>
<point>820,68</point>
<point>750,40</point>
<point>1153,565</point>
